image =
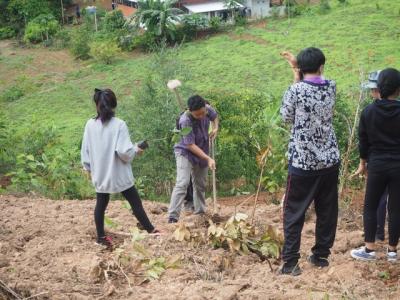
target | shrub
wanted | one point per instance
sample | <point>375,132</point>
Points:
<point>215,24</point>
<point>249,123</point>
<point>62,39</point>
<point>145,42</point>
<point>104,51</point>
<point>43,166</point>
<point>56,175</point>
<point>41,29</point>
<point>190,25</point>
<point>241,21</point>
<point>6,33</point>
<point>7,144</point>
<point>79,45</point>
<point>127,42</point>
<point>113,21</point>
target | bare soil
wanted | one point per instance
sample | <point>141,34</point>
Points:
<point>48,248</point>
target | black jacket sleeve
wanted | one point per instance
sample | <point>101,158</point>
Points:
<point>363,145</point>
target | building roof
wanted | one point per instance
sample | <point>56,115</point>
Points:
<point>127,11</point>
<point>208,6</point>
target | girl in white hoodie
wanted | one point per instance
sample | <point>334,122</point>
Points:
<point>107,153</point>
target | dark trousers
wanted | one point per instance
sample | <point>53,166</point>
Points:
<point>189,194</point>
<point>132,196</point>
<point>381,216</point>
<point>376,185</point>
<point>300,192</point>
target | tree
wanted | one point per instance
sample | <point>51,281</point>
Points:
<point>158,17</point>
<point>41,28</point>
<point>18,13</point>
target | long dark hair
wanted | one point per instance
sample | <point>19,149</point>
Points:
<point>388,82</point>
<point>105,102</point>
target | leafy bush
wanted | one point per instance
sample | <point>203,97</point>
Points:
<point>240,21</point>
<point>44,167</point>
<point>113,21</point>
<point>40,29</point>
<point>33,33</point>
<point>56,175</point>
<point>215,24</point>
<point>6,33</point>
<point>127,42</point>
<point>249,123</point>
<point>7,144</point>
<point>145,42</point>
<point>104,51</point>
<point>79,45</point>
<point>20,12</point>
<point>191,23</point>
<point>62,39</point>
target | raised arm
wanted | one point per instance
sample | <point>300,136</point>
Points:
<point>291,59</point>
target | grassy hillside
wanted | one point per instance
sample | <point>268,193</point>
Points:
<point>53,89</point>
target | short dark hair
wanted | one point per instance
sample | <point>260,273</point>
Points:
<point>388,82</point>
<point>196,102</point>
<point>105,101</point>
<point>310,60</point>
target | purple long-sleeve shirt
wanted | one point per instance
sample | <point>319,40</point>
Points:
<point>198,136</point>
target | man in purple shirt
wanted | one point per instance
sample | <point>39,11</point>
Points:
<point>192,156</point>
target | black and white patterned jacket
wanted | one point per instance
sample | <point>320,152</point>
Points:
<point>309,108</point>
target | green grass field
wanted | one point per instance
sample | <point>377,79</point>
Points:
<point>354,37</point>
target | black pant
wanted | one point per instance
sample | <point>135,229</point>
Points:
<point>300,192</point>
<point>381,216</point>
<point>133,198</point>
<point>189,192</point>
<point>376,184</point>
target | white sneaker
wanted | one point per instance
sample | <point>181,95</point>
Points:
<point>391,256</point>
<point>361,254</point>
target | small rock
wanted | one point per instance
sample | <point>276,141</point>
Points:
<point>4,262</point>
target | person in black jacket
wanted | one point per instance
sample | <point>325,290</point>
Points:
<point>372,86</point>
<point>379,144</point>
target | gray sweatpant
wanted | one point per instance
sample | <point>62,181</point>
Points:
<point>184,169</point>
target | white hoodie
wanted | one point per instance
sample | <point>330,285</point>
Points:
<point>107,152</point>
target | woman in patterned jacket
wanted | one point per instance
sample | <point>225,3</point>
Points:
<point>314,159</point>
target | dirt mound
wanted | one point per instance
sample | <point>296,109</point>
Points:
<point>47,249</point>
